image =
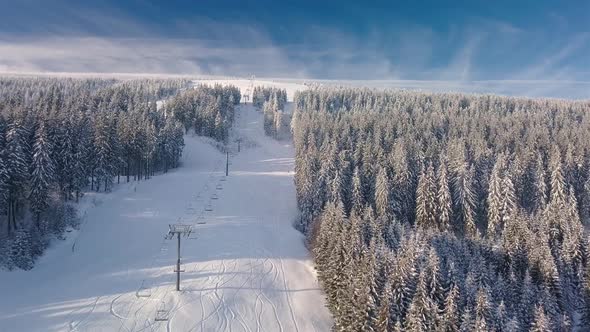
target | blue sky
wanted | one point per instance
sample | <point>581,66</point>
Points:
<point>539,42</point>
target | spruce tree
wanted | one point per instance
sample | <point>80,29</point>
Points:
<point>483,321</point>
<point>41,174</point>
<point>444,203</point>
<point>558,187</point>
<point>464,200</point>
<point>494,200</point>
<point>450,320</point>
<point>21,250</point>
<point>541,322</point>
<point>358,201</point>
<point>585,310</point>
<point>467,322</point>
<point>423,312</point>
<point>16,169</point>
<point>383,321</point>
<point>426,199</point>
<point>382,194</point>
<point>540,185</point>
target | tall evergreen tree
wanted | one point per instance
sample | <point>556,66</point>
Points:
<point>382,194</point>
<point>445,203</point>
<point>450,320</point>
<point>494,200</point>
<point>16,170</point>
<point>41,174</point>
<point>541,322</point>
<point>426,199</point>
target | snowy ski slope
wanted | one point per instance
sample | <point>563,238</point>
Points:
<point>246,267</point>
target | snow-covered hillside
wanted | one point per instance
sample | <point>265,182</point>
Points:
<point>246,267</point>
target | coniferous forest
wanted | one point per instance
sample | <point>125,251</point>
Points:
<point>272,102</point>
<point>446,212</point>
<point>60,137</point>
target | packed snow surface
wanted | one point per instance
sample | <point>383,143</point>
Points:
<point>246,267</point>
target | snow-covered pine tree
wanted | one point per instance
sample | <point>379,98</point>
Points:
<point>541,322</point>
<point>483,315</point>
<point>464,200</point>
<point>401,183</point>
<point>357,200</point>
<point>426,199</point>
<point>509,208</point>
<point>104,151</point>
<point>423,312</point>
<point>383,322</point>
<point>3,170</point>
<point>444,201</point>
<point>585,307</point>
<point>540,185</point>
<point>527,301</point>
<point>16,169</point>
<point>450,318</point>
<point>21,250</point>
<point>382,194</point>
<point>42,172</point>
<point>494,200</point>
<point>467,322</point>
<point>558,194</point>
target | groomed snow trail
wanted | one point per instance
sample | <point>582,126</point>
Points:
<point>246,267</point>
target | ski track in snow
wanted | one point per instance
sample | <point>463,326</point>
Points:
<point>246,270</point>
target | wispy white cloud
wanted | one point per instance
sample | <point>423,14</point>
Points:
<point>114,42</point>
<point>551,64</point>
<point>138,55</point>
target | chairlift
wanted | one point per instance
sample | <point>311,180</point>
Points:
<point>223,179</point>
<point>214,196</point>
<point>161,315</point>
<point>208,207</point>
<point>219,186</point>
<point>143,291</point>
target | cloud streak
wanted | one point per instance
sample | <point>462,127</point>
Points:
<point>479,56</point>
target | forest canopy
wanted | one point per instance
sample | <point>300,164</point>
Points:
<point>446,212</point>
<point>60,137</point>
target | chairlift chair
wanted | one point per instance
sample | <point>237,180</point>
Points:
<point>214,196</point>
<point>161,315</point>
<point>143,291</point>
